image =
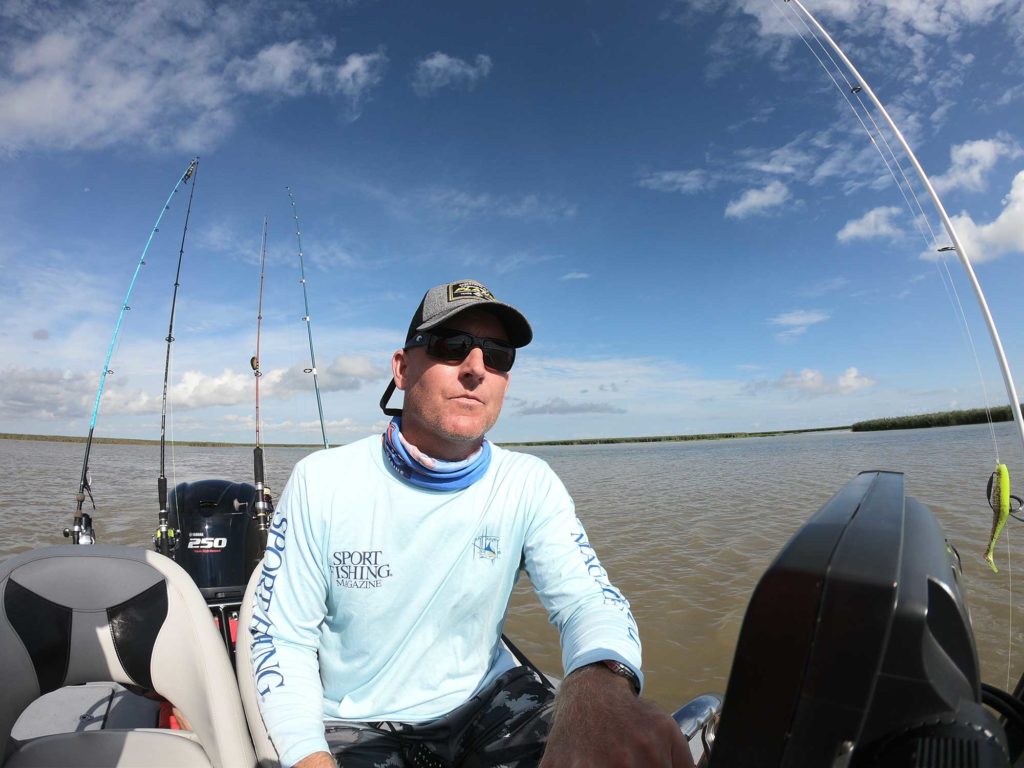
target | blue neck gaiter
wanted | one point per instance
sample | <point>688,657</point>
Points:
<point>418,469</point>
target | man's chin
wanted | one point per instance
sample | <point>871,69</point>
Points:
<point>465,431</point>
<point>466,436</point>
<point>460,433</point>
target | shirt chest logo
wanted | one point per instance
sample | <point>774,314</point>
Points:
<point>360,568</point>
<point>486,547</point>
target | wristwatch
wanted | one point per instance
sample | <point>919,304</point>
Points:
<point>621,669</point>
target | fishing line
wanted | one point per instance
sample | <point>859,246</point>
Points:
<point>956,246</point>
<point>1009,581</point>
<point>905,186</point>
<point>307,320</point>
<point>81,531</point>
<point>164,538</point>
<point>853,108</point>
<point>255,361</point>
<point>907,191</point>
<point>262,511</point>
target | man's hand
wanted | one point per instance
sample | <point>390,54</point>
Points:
<point>600,723</point>
<point>317,760</point>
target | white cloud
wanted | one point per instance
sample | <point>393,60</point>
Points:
<point>878,222</point>
<point>687,182</point>
<point>291,68</point>
<point>85,81</point>
<point>575,276</point>
<point>827,285</point>
<point>505,263</point>
<point>971,160</point>
<point>48,394</point>
<point>199,390</point>
<point>534,207</point>
<point>297,67</point>
<point>51,51</point>
<point>757,201</point>
<point>797,322</point>
<point>439,70</point>
<point>810,382</point>
<point>1002,235</point>
<point>349,373</point>
<point>906,24</point>
<point>344,373</point>
<point>43,394</point>
<point>460,205</point>
<point>558,406</point>
<point>360,73</point>
<point>807,380</point>
<point>1010,95</point>
<point>803,317</point>
<point>851,380</point>
<point>907,42</point>
<point>787,160</point>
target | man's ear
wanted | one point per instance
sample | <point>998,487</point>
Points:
<point>399,368</point>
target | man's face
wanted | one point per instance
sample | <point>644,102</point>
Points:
<point>450,406</point>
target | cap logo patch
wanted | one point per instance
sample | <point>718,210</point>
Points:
<point>469,291</point>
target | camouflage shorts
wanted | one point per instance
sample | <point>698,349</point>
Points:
<point>503,726</point>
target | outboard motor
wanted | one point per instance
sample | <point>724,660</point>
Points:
<point>218,543</point>
<point>857,649</point>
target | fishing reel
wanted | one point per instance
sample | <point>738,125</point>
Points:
<point>165,540</point>
<point>82,531</point>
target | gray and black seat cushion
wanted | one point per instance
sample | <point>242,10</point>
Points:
<point>79,614</point>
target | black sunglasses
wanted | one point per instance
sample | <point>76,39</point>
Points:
<point>455,346</point>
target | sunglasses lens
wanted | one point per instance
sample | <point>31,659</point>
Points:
<point>455,349</point>
<point>499,356</point>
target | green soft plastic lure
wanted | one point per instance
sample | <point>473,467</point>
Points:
<point>999,500</point>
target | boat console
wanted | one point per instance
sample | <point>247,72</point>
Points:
<point>856,648</point>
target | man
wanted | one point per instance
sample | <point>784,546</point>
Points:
<point>390,563</point>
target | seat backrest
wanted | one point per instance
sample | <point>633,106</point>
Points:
<point>76,614</point>
<point>265,752</point>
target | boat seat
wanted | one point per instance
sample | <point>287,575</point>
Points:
<point>265,752</point>
<point>79,614</point>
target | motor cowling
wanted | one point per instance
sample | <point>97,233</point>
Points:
<point>218,540</point>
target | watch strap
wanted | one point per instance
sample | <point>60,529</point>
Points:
<point>624,671</point>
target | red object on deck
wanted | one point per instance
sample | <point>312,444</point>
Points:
<point>167,718</point>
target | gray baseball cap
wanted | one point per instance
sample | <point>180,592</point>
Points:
<point>443,302</point>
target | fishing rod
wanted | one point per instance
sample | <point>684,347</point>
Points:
<point>862,85</point>
<point>164,538</point>
<point>81,530</point>
<point>309,329</point>
<point>262,506</point>
<point>998,491</point>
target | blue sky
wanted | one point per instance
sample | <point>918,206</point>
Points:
<point>676,195</point>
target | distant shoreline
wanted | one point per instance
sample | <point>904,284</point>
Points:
<point>919,421</point>
<point>939,419</point>
<point>134,441</point>
<point>672,438</point>
<point>528,443</point>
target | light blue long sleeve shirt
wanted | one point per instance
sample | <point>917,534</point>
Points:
<point>382,601</point>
